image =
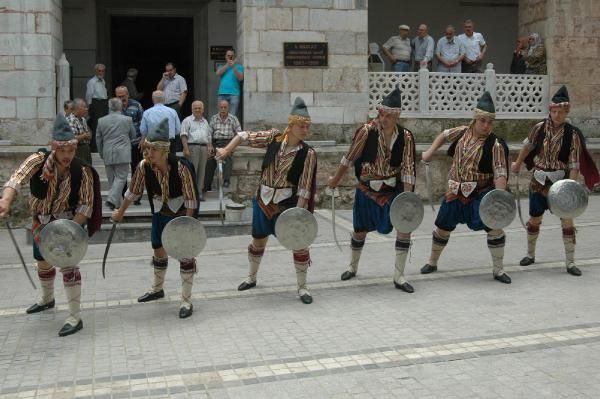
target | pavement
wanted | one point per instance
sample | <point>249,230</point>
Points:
<point>460,335</point>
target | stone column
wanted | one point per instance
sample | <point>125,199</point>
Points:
<point>337,95</point>
<point>30,45</point>
<point>572,39</point>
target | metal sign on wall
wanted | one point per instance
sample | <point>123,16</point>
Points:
<point>217,53</point>
<point>305,54</point>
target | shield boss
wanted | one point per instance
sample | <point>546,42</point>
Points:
<point>406,212</point>
<point>567,199</point>
<point>63,243</point>
<point>296,228</point>
<point>497,209</point>
<point>184,237</point>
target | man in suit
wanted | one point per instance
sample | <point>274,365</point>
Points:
<point>114,134</point>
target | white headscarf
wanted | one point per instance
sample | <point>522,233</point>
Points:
<point>537,42</point>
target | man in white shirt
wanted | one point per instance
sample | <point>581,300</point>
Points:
<point>96,97</point>
<point>196,141</point>
<point>174,87</point>
<point>450,52</point>
<point>475,48</point>
<point>398,50</point>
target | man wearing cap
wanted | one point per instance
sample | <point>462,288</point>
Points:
<point>96,97</point>
<point>288,180</point>
<point>479,164</point>
<point>62,187</point>
<point>383,155</point>
<point>398,50</point>
<point>554,150</point>
<point>172,192</point>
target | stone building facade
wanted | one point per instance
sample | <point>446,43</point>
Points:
<point>33,36</point>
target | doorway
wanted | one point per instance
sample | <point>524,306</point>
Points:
<point>147,44</point>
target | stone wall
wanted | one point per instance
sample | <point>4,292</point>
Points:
<point>30,45</point>
<point>337,94</point>
<point>571,30</point>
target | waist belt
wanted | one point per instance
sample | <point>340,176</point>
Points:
<point>202,144</point>
<point>45,219</point>
<point>268,194</point>
<point>553,175</point>
<point>376,185</point>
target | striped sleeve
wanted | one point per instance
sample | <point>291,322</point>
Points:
<point>138,181</point>
<point>357,146</point>
<point>500,166</point>
<point>575,152</point>
<point>187,182</point>
<point>86,193</point>
<point>260,139</point>
<point>306,180</point>
<point>453,134</point>
<point>408,159</point>
<point>533,133</point>
<point>25,171</point>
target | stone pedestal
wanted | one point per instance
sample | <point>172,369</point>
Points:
<point>30,45</point>
<point>336,95</point>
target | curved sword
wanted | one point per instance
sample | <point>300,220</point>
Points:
<point>429,184</point>
<point>333,193</point>
<point>12,237</point>
<point>110,238</point>
<point>519,201</point>
<point>220,183</point>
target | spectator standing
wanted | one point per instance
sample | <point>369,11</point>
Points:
<point>129,83</point>
<point>517,65</point>
<point>197,142</point>
<point>398,50</point>
<point>535,57</point>
<point>96,97</point>
<point>67,107</point>
<point>475,48</point>
<point>134,110</point>
<point>81,130</point>
<point>231,74</point>
<point>450,51</point>
<point>114,135</point>
<point>155,114</point>
<point>224,126</point>
<point>174,88</point>
<point>423,46</point>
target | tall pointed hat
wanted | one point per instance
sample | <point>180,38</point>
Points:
<point>485,106</point>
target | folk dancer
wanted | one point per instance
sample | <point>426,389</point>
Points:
<point>479,164</point>
<point>171,190</point>
<point>554,150</point>
<point>62,187</point>
<point>287,180</point>
<point>383,155</point>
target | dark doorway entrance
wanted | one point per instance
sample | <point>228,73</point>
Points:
<point>148,43</point>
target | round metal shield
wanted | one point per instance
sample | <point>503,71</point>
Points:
<point>296,228</point>
<point>567,199</point>
<point>406,212</point>
<point>63,243</point>
<point>497,209</point>
<point>184,237</point>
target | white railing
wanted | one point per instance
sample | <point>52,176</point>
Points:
<point>454,95</point>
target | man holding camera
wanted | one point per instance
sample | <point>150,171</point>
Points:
<point>231,75</point>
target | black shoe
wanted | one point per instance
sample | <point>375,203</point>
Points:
<point>574,271</point>
<point>428,269</point>
<point>306,299</point>
<point>347,275</point>
<point>185,312</point>
<point>110,205</point>
<point>138,202</point>
<point>68,329</point>
<point>406,287</point>
<point>152,296</point>
<point>526,261</point>
<point>503,278</point>
<point>226,184</point>
<point>38,308</point>
<point>246,286</point>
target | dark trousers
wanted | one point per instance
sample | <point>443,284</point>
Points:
<point>98,109</point>
<point>176,145</point>
<point>136,157</point>
<point>211,165</point>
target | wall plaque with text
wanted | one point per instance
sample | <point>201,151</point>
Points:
<point>217,53</point>
<point>305,55</point>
